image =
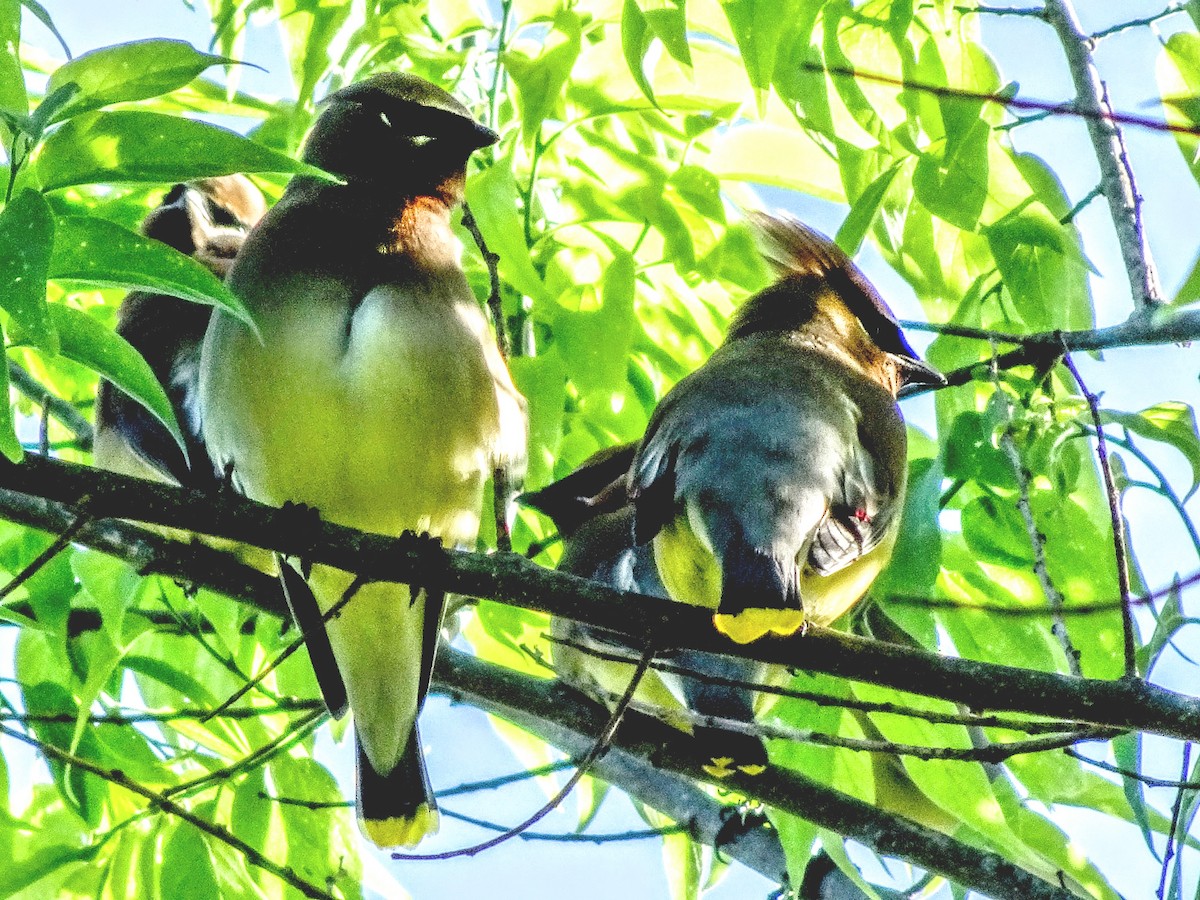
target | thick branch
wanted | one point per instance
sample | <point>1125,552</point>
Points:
<point>548,710</point>
<point>1126,704</point>
<point>1116,174</point>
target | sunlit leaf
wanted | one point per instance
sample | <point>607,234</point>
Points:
<point>26,241</point>
<point>97,252</point>
<point>133,71</point>
<point>85,340</point>
<point>135,145</point>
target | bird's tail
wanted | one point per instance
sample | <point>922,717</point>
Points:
<point>397,809</point>
<point>727,752</point>
<point>760,594</point>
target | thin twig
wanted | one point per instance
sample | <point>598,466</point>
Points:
<point>161,801</point>
<point>825,700</point>
<point>65,412</point>
<point>574,837</point>
<point>333,613</point>
<point>172,715</point>
<point>60,543</point>
<point>1054,597</point>
<point>1176,809</point>
<point>598,749</point>
<point>1116,173</point>
<point>1118,521</point>
<point>1148,780</point>
<point>1164,488</point>
<point>297,731</point>
<point>1057,109</point>
<point>1173,8</point>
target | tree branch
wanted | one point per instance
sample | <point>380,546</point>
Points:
<point>546,708</point>
<point>1124,704</point>
<point>1116,174</point>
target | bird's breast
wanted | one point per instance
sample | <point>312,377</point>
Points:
<point>381,413</point>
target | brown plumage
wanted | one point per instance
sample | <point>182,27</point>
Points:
<point>208,220</point>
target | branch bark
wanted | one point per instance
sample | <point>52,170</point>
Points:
<point>1116,174</point>
<point>1124,704</point>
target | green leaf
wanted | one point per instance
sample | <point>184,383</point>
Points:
<point>133,71</point>
<point>759,26</point>
<point>98,252</point>
<point>140,146</point>
<point>492,196</point>
<point>112,583</point>
<point>86,341</point>
<point>540,82</point>
<point>13,97</point>
<point>951,179</point>
<point>636,38</point>
<point>187,870</point>
<point>668,20</point>
<point>26,239</point>
<point>42,16</point>
<point>596,345</point>
<point>306,29</point>
<point>863,213</point>
<point>1170,422</point>
<point>1043,269</point>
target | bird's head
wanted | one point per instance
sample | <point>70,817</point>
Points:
<point>396,129</point>
<point>822,294</point>
<point>207,218</point>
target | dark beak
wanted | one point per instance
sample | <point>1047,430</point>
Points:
<point>917,372</point>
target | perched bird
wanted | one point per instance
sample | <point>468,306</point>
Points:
<point>768,488</point>
<point>771,480</point>
<point>594,516</point>
<point>208,220</point>
<point>376,394</point>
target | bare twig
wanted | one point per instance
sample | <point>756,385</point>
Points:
<point>571,837</point>
<point>65,412</point>
<point>1054,597</point>
<point>1148,780</point>
<point>59,544</point>
<point>547,711</point>
<point>333,613</point>
<point>868,706</point>
<point>1171,9</point>
<point>599,748</point>
<point>1116,174</point>
<point>1176,809</point>
<point>1118,521</point>
<point>1057,109</point>
<point>161,801</point>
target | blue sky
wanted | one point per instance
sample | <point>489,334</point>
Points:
<point>1128,379</point>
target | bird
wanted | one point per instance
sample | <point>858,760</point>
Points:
<point>592,512</point>
<point>376,395</point>
<point>767,487</point>
<point>770,481</point>
<point>207,219</point>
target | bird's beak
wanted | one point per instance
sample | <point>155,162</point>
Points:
<point>916,371</point>
<point>483,136</point>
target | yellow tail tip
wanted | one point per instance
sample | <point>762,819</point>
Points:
<point>751,624</point>
<point>719,767</point>
<point>401,832</point>
<point>752,770</point>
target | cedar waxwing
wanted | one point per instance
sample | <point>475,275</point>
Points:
<point>376,395</point>
<point>771,480</point>
<point>593,515</point>
<point>809,374</point>
<point>208,220</point>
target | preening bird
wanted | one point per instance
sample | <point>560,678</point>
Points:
<point>594,516</point>
<point>771,480</point>
<point>208,220</point>
<point>768,486</point>
<point>376,395</point>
